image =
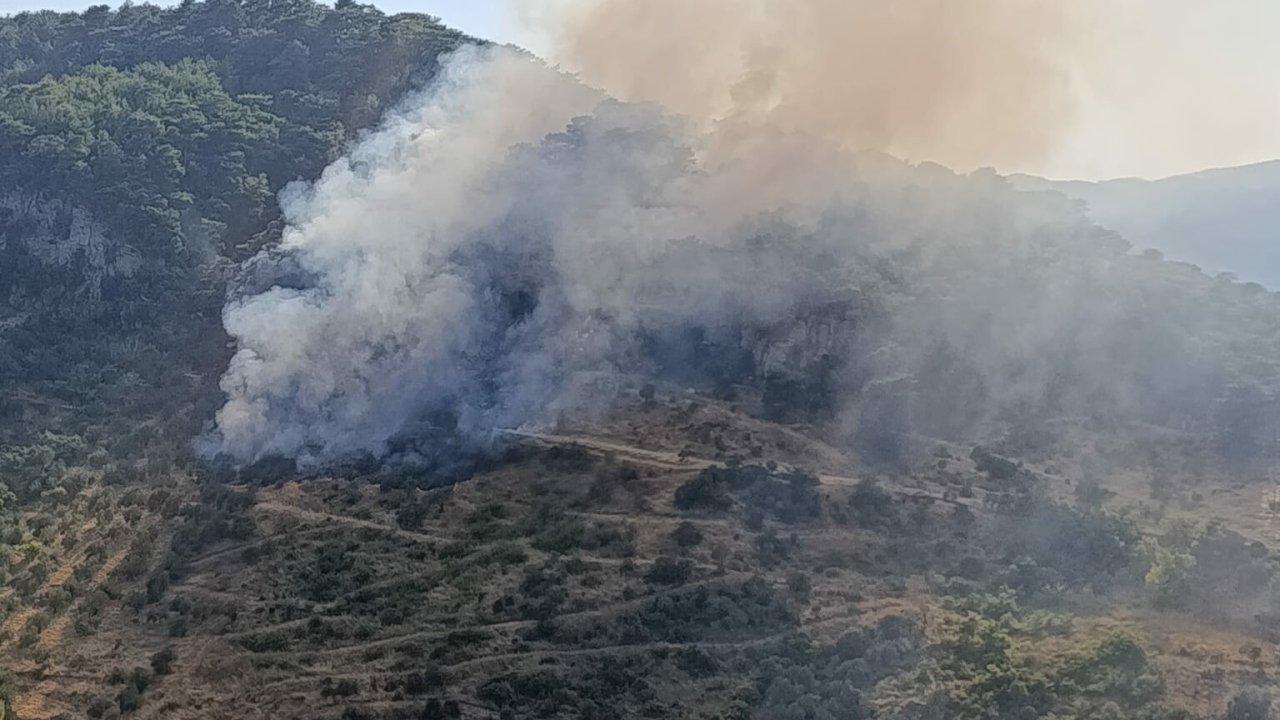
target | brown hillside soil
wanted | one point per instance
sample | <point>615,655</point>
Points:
<point>311,599</point>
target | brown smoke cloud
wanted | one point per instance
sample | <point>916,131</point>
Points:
<point>1083,89</point>
<point>965,83</point>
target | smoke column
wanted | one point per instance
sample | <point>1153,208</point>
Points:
<point>962,83</point>
<point>340,366</point>
<point>511,241</point>
<point>1082,90</point>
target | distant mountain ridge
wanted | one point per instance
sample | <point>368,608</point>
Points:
<point>1224,219</point>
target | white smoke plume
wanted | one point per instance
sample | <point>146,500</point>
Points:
<point>512,236</point>
<point>340,366</point>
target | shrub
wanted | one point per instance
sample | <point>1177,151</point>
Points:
<point>686,535</point>
<point>705,492</point>
<point>346,687</point>
<point>873,507</point>
<point>411,516</point>
<point>800,586</point>
<point>669,571</point>
<point>162,662</point>
<point>1251,703</point>
<point>995,466</point>
<point>129,699</point>
<point>788,497</point>
<point>693,614</point>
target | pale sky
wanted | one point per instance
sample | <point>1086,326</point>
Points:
<point>478,17</point>
<point>1165,87</point>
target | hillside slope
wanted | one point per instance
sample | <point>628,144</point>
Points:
<point>665,561</point>
<point>1224,220</point>
<point>141,154</point>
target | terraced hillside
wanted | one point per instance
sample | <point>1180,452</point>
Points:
<point>678,559</point>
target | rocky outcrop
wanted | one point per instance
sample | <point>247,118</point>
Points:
<point>58,233</point>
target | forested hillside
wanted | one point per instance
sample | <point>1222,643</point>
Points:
<point>1224,220</point>
<point>141,151</point>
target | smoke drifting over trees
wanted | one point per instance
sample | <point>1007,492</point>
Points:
<point>511,240</point>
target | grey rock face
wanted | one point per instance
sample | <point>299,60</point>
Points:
<point>59,233</point>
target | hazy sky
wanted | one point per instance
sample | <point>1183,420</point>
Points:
<point>1158,87</point>
<point>480,17</point>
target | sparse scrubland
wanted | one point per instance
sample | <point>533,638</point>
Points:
<point>989,464</point>
<point>614,573</point>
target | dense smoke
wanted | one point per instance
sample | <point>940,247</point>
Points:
<point>512,243</point>
<point>391,318</point>
<point>1090,89</point>
<point>966,84</point>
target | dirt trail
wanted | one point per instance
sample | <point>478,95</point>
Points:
<point>674,461</point>
<point>34,704</point>
<point>617,649</point>
<point>391,640</point>
<point>262,542</point>
<point>647,517</point>
<point>53,635</point>
<point>63,573</point>
<point>321,517</point>
<point>16,622</point>
<point>654,458</point>
<point>110,566</point>
<point>31,706</point>
<point>289,685</point>
<point>68,568</point>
